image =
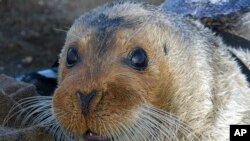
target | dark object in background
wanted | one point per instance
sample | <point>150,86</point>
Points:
<point>45,80</point>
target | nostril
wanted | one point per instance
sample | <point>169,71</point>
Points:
<point>85,100</point>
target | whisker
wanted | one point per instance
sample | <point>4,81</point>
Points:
<point>35,111</point>
<point>170,120</point>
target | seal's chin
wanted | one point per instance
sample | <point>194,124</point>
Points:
<point>90,136</point>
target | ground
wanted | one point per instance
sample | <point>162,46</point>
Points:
<point>32,32</point>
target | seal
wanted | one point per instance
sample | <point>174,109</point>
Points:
<point>131,71</point>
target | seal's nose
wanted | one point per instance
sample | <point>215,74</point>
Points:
<point>85,100</point>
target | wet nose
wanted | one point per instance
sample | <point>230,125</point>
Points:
<point>85,100</point>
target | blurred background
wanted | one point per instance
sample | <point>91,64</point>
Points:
<point>32,32</point>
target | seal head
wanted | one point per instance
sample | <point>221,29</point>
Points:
<point>127,71</point>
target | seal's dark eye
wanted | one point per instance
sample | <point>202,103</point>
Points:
<point>72,57</point>
<point>138,59</point>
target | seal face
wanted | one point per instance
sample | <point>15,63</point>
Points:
<point>108,72</point>
<point>133,72</point>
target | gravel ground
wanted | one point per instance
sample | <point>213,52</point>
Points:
<point>32,32</point>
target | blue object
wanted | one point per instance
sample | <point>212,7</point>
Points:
<point>205,8</point>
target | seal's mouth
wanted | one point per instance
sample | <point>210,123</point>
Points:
<point>90,136</point>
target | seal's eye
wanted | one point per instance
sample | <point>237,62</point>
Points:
<point>72,57</point>
<point>138,59</point>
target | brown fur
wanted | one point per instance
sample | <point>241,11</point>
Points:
<point>190,75</point>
